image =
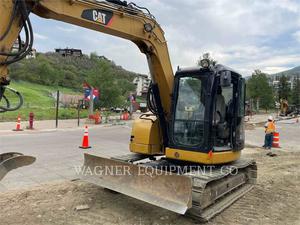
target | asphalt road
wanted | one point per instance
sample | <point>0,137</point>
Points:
<point>58,152</point>
<point>289,132</point>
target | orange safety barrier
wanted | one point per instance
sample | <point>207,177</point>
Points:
<point>124,116</point>
<point>98,118</point>
<point>276,140</point>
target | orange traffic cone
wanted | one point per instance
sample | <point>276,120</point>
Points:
<point>85,140</point>
<point>18,127</point>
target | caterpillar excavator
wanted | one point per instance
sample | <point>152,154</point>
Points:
<point>185,155</point>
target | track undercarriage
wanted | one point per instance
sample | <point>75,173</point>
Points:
<point>196,190</point>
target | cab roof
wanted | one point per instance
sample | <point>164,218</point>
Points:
<point>217,69</point>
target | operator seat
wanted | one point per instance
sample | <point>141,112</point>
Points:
<point>220,107</point>
<point>220,117</point>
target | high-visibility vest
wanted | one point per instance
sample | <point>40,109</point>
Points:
<point>270,128</point>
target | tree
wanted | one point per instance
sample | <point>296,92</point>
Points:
<point>284,88</point>
<point>104,78</point>
<point>296,91</point>
<point>207,56</point>
<point>258,88</point>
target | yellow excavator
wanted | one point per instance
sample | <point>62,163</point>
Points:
<point>185,154</point>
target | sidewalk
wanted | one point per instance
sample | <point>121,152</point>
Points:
<point>44,124</point>
<point>289,135</point>
<point>260,118</point>
<point>48,125</point>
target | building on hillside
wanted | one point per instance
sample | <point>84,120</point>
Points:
<point>274,84</point>
<point>69,52</point>
<point>142,83</point>
<point>30,55</point>
<point>274,81</point>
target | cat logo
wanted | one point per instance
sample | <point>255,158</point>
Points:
<point>99,17</point>
<point>103,17</point>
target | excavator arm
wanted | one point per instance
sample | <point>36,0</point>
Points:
<point>123,20</point>
<point>113,17</point>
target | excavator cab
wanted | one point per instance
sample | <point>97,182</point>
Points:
<point>207,114</point>
<point>204,131</point>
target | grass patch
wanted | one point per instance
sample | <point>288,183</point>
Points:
<point>38,99</point>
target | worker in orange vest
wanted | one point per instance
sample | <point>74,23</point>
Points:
<point>269,133</point>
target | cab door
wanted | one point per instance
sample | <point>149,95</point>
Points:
<point>239,129</point>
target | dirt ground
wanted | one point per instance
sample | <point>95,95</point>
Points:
<point>274,200</point>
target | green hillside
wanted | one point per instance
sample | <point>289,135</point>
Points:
<point>52,69</point>
<point>38,99</point>
<point>37,79</point>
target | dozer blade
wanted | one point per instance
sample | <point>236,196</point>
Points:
<point>157,187</point>
<point>13,160</point>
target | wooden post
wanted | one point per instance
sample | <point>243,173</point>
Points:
<point>80,103</point>
<point>91,106</point>
<point>57,106</point>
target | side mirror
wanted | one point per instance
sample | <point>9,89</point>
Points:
<point>225,79</point>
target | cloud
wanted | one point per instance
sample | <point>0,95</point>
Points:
<point>296,35</point>
<point>67,29</point>
<point>40,36</point>
<point>243,34</point>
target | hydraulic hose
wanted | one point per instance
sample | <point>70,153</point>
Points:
<point>151,101</point>
<point>8,107</point>
<point>20,8</point>
<point>6,102</point>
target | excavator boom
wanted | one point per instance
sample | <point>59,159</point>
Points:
<point>125,22</point>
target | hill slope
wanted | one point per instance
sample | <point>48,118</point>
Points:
<point>291,72</point>
<point>52,69</point>
<point>37,99</point>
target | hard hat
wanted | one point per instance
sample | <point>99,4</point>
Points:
<point>270,118</point>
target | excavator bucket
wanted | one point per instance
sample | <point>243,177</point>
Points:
<point>157,187</point>
<point>13,160</point>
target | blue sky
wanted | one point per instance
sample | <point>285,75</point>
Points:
<point>243,34</point>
